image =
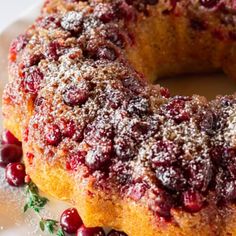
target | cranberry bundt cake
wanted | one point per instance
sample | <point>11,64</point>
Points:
<point>97,131</point>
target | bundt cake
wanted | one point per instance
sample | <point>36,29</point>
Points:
<point>99,133</point>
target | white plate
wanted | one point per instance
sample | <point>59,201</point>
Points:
<point>12,219</point>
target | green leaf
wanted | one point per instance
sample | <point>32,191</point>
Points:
<point>34,200</point>
<point>26,207</point>
<point>41,224</point>
<point>50,225</point>
<point>60,232</point>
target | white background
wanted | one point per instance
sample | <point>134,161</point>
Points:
<point>12,9</point>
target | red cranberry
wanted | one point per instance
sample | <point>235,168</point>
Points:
<point>10,153</point>
<point>176,109</point>
<point>52,134</point>
<point>34,59</point>
<point>193,201</point>
<point>104,12</point>
<point>139,105</point>
<point>116,37</point>
<point>200,173</point>
<point>171,178</point>
<point>209,122</point>
<point>70,221</point>
<point>125,148</point>
<point>9,138</point>
<point>96,231</point>
<point>30,157</point>
<point>52,51</point>
<point>68,128</point>
<point>133,84</point>
<point>125,11</point>
<point>49,22</point>
<point>216,154</point>
<point>165,92</point>
<point>164,153</point>
<point>74,160</point>
<point>74,96</point>
<point>116,233</point>
<point>209,3</point>
<point>15,174</point>
<point>18,44</point>
<point>106,53</point>
<point>95,159</point>
<point>230,190</point>
<point>32,80</point>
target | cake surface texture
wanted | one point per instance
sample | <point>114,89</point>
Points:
<point>99,133</point>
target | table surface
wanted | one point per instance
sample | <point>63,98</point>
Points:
<point>12,9</point>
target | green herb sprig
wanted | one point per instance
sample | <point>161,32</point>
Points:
<point>34,200</point>
<point>37,203</point>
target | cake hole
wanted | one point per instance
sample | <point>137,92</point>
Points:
<point>208,85</point>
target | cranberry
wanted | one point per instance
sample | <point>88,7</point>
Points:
<point>133,84</point>
<point>165,92</point>
<point>52,134</point>
<point>116,37</point>
<point>176,109</point>
<point>96,231</point>
<point>193,201</point>
<point>70,221</point>
<point>96,158</point>
<point>50,21</point>
<point>164,153</point>
<point>74,160</point>
<point>209,122</point>
<point>138,105</point>
<point>230,190</point>
<point>171,178</point>
<point>209,3</point>
<point>104,12</point>
<point>10,153</point>
<point>30,157</point>
<point>72,21</point>
<point>125,11</point>
<point>15,174</point>
<point>32,80</point>
<point>115,97</point>
<point>74,96</point>
<point>106,53</point>
<point>18,44</point>
<point>9,138</point>
<point>68,128</point>
<point>52,51</point>
<point>34,59</point>
<point>125,148</point>
<point>116,233</point>
<point>200,172</point>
